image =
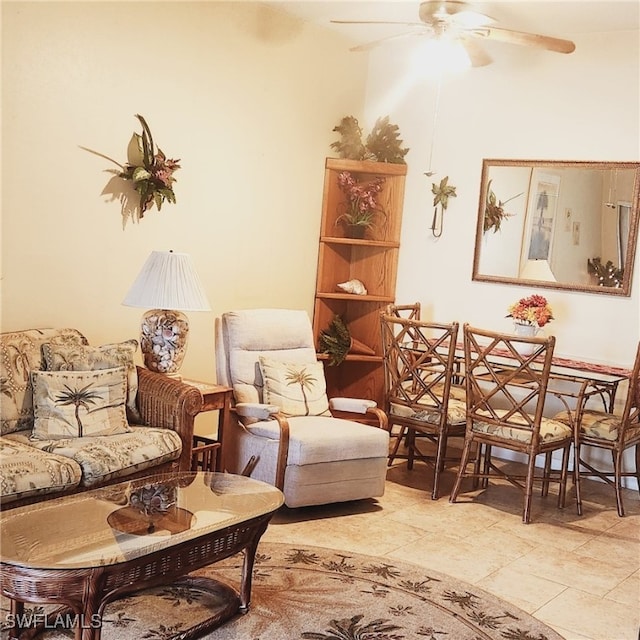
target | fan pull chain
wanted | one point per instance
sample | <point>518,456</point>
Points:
<point>431,172</point>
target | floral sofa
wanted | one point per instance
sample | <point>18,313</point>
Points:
<point>75,417</point>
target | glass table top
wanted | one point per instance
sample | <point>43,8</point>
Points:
<point>131,519</point>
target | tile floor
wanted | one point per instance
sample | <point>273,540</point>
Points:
<point>580,575</point>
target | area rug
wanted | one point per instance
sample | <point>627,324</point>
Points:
<point>313,593</point>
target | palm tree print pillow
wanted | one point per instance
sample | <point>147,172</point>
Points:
<point>298,388</point>
<point>75,404</point>
<point>79,357</point>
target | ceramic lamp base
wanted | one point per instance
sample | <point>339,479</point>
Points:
<point>163,340</point>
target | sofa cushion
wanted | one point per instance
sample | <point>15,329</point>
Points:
<point>102,458</point>
<point>26,471</point>
<point>298,389</point>
<point>20,354</point>
<point>73,404</point>
<point>79,357</point>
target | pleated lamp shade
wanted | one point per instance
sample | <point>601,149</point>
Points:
<point>168,285</point>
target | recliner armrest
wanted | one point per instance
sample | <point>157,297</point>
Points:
<point>352,405</point>
<point>360,406</point>
<point>256,410</point>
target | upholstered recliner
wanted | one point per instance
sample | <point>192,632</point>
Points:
<point>285,432</point>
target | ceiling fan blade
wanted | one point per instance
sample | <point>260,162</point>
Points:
<point>404,24</point>
<point>528,39</point>
<point>477,55</point>
<point>375,43</point>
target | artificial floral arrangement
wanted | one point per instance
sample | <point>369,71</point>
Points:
<point>148,169</point>
<point>441,192</point>
<point>494,213</point>
<point>533,310</point>
<point>383,144</point>
<point>608,274</point>
<point>361,204</point>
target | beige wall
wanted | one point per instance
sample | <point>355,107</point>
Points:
<point>246,97</point>
<point>528,104</point>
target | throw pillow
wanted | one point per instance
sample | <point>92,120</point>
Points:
<point>74,404</point>
<point>87,358</point>
<point>298,388</point>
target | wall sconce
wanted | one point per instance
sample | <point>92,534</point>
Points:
<point>167,284</point>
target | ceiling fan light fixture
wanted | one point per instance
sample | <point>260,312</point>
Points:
<point>435,56</point>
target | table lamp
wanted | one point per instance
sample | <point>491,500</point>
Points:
<point>537,270</point>
<point>168,285</point>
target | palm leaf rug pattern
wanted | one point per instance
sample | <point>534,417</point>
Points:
<point>313,593</point>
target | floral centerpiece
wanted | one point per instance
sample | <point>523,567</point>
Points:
<point>361,205</point>
<point>533,311</point>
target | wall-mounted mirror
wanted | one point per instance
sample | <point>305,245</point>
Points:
<point>557,224</point>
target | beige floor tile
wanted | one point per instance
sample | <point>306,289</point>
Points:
<point>360,533</point>
<point>524,590</point>
<point>627,592</point>
<point>615,544</point>
<point>570,635</point>
<point>627,527</point>
<point>563,536</point>
<point>591,616</point>
<point>592,575</point>
<point>580,575</point>
<point>453,556</point>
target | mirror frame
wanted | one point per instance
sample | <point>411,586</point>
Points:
<point>625,289</point>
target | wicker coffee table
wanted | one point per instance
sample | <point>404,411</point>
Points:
<point>87,550</point>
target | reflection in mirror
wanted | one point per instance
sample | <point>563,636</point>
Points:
<point>558,224</point>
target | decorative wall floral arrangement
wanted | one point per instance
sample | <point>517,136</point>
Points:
<point>494,213</point>
<point>383,144</point>
<point>441,194</point>
<point>147,170</point>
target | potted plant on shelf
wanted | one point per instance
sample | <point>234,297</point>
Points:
<point>383,144</point>
<point>361,204</point>
<point>336,342</point>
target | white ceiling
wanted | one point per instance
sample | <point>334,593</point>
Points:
<point>548,17</point>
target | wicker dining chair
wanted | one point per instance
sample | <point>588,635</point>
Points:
<point>606,431</point>
<point>419,366</point>
<point>505,398</point>
<point>398,432</point>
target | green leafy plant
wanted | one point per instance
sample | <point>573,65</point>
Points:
<point>608,274</point>
<point>335,341</point>
<point>383,144</point>
<point>350,143</point>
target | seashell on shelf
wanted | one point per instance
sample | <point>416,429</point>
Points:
<point>353,286</point>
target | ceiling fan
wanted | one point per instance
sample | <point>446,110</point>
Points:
<point>455,19</point>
